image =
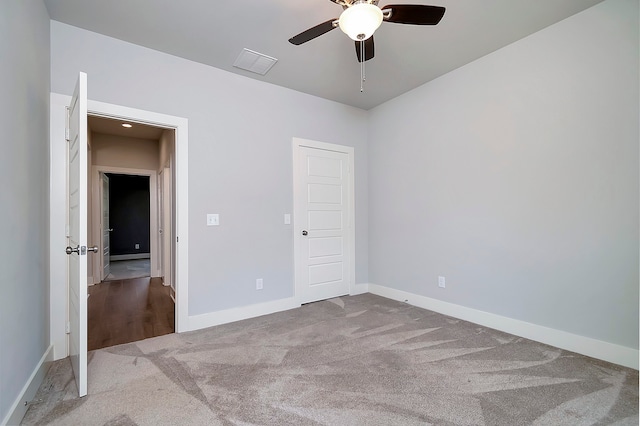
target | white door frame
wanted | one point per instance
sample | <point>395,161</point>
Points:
<point>57,214</point>
<point>102,194</point>
<point>297,227</point>
<point>165,207</point>
<point>153,214</point>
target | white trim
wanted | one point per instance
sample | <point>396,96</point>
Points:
<point>96,210</point>
<point>58,271</point>
<point>211,319</point>
<point>351,219</point>
<point>19,407</point>
<point>599,349</point>
<point>181,191</point>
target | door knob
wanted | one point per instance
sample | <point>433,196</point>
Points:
<point>305,233</point>
<point>70,250</point>
<point>93,249</point>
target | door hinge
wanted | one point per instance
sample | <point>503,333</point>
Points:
<point>67,328</point>
<point>66,134</point>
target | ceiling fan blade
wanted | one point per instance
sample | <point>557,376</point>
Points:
<point>414,14</point>
<point>369,50</point>
<point>313,32</point>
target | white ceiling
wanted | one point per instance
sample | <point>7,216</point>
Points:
<point>214,32</point>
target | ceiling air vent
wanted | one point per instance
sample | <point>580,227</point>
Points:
<point>254,62</point>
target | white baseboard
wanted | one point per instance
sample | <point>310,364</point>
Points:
<point>198,322</point>
<point>19,408</point>
<point>211,319</point>
<point>599,349</point>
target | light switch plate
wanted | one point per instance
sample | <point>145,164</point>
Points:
<point>213,219</point>
<point>287,219</point>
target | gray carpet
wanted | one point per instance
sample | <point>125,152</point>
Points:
<point>361,360</point>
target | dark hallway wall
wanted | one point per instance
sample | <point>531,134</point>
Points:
<point>129,214</point>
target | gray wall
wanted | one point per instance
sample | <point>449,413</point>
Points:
<point>516,178</point>
<point>240,158</point>
<point>24,173</point>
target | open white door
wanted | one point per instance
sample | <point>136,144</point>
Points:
<point>106,230</point>
<point>77,232</point>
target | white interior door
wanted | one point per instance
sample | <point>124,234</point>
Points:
<point>323,240</point>
<point>106,230</point>
<point>77,232</point>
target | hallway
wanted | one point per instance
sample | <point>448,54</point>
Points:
<point>127,269</point>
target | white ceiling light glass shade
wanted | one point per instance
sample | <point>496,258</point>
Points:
<point>360,21</point>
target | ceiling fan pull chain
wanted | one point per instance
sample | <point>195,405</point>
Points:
<point>362,76</point>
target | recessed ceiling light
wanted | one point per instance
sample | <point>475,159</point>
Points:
<point>127,125</point>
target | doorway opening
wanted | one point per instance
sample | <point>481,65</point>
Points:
<point>131,296</point>
<point>126,215</point>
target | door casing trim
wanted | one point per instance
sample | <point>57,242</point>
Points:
<point>96,211</point>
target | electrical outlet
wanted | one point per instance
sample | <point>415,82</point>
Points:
<point>137,246</point>
<point>259,284</point>
<point>441,282</point>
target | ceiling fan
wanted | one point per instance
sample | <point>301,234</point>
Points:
<point>361,18</point>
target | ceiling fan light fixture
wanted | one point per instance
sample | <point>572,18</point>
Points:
<point>360,21</point>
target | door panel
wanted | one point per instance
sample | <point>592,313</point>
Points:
<point>77,232</point>
<point>320,193</point>
<point>326,273</point>
<point>322,209</point>
<point>319,247</point>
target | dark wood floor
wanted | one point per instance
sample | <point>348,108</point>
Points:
<point>127,311</point>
